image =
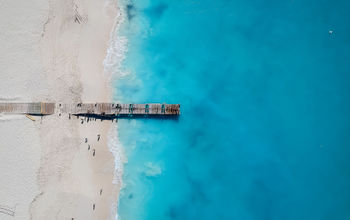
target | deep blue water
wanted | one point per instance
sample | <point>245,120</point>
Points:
<point>264,90</point>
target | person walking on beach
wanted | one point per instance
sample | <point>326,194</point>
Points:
<point>89,147</point>
<point>98,137</point>
<point>93,153</point>
<point>93,206</point>
<point>86,140</point>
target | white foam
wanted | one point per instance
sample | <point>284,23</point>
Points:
<point>112,66</point>
<point>117,150</point>
<point>117,48</point>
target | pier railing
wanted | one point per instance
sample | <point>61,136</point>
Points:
<point>99,109</point>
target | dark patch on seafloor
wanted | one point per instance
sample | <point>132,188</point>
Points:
<point>157,11</point>
<point>130,8</point>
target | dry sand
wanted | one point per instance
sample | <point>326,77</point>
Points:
<point>53,50</point>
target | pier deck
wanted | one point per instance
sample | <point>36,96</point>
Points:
<point>97,109</point>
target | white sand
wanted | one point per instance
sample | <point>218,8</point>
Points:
<point>53,50</point>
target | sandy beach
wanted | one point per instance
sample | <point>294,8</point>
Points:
<point>56,167</point>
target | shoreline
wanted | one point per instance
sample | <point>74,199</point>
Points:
<point>85,180</point>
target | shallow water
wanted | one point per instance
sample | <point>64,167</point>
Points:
<point>264,90</point>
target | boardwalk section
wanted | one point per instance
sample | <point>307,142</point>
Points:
<point>120,109</point>
<point>92,109</point>
<point>35,108</point>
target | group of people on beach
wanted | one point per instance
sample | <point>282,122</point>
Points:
<point>98,139</point>
<point>93,154</point>
<point>87,118</point>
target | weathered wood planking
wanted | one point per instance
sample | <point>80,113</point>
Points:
<point>119,109</point>
<point>38,108</point>
<point>102,109</point>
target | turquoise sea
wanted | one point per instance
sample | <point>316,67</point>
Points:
<point>264,88</point>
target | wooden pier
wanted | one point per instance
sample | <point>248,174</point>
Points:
<point>92,109</point>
